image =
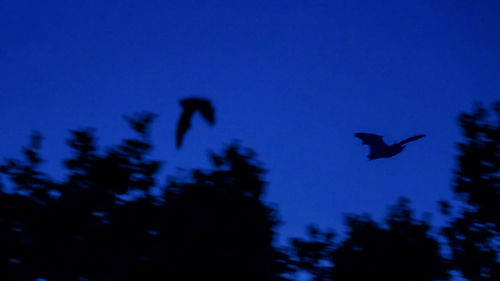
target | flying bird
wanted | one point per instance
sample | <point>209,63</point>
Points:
<point>189,107</point>
<point>379,149</point>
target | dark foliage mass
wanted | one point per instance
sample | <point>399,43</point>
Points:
<point>474,235</point>
<point>400,249</point>
<point>104,223</point>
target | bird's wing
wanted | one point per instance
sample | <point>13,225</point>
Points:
<point>204,106</point>
<point>414,138</point>
<point>374,141</point>
<point>184,124</point>
<point>190,105</point>
<point>207,111</point>
<point>370,139</point>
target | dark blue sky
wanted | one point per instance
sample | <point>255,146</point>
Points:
<point>291,79</point>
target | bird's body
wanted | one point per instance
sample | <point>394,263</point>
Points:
<point>189,107</point>
<point>379,149</point>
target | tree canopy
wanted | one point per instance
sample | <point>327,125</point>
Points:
<point>103,222</point>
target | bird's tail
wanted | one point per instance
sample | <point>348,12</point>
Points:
<point>414,138</point>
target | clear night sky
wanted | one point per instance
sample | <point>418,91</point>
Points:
<point>293,80</point>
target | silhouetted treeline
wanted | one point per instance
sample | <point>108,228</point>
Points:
<point>102,222</point>
<point>399,249</point>
<point>474,235</point>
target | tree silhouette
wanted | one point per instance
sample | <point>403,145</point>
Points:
<point>401,249</point>
<point>103,223</point>
<point>220,225</point>
<point>474,234</point>
<point>313,254</point>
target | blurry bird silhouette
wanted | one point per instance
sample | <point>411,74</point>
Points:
<point>189,107</point>
<point>379,149</point>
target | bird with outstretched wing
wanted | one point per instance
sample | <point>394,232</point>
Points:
<point>379,149</point>
<point>189,107</point>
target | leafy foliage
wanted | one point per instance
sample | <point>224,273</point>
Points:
<point>474,234</point>
<point>401,249</point>
<point>105,224</point>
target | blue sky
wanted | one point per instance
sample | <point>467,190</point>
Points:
<point>293,80</point>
